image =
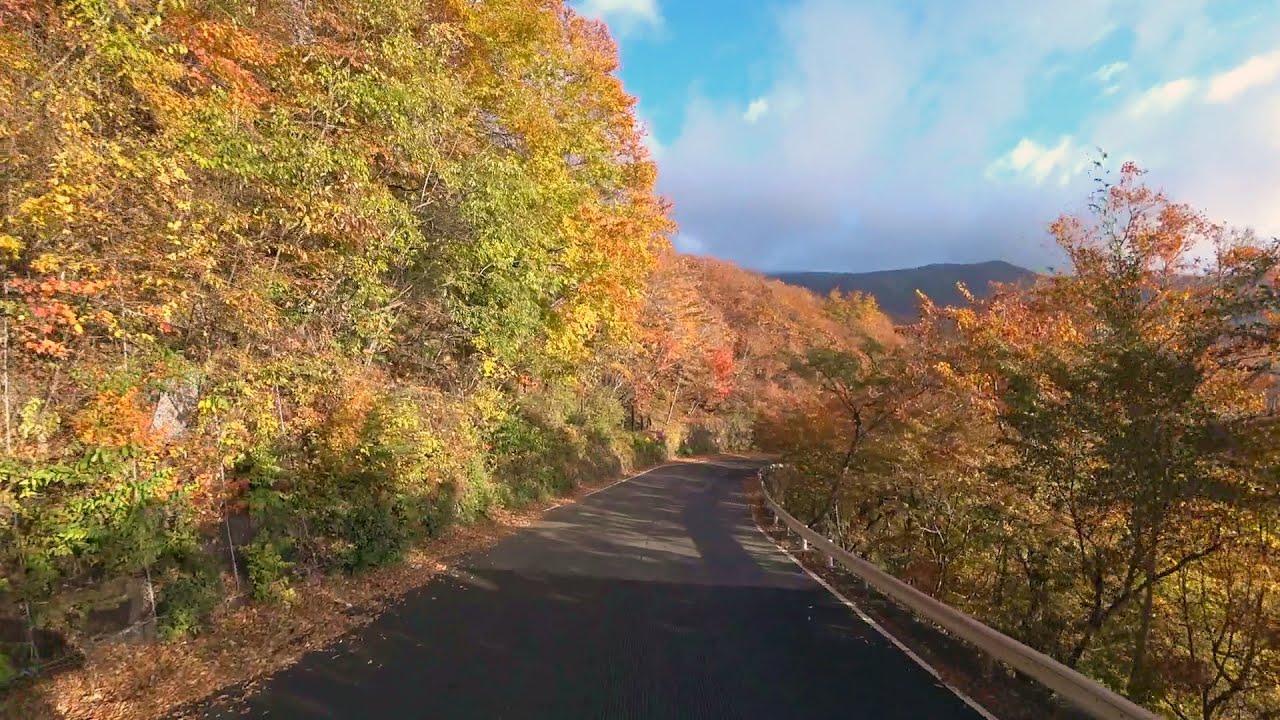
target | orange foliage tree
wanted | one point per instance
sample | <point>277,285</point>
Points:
<point>1087,463</point>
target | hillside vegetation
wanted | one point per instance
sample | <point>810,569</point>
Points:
<point>289,287</point>
<point>895,290</point>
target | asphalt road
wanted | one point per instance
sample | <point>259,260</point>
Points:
<point>656,598</point>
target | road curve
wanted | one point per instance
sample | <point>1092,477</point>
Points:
<point>655,598</point>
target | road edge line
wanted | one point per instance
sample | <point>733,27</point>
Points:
<point>619,481</point>
<point>973,704</point>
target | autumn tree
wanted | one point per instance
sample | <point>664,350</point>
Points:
<point>1085,455</point>
<point>1130,410</point>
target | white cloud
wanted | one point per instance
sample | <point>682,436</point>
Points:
<point>623,11</point>
<point>1111,90</point>
<point>687,243</point>
<point>1257,71</point>
<point>651,141</point>
<point>1219,157</point>
<point>1105,73</point>
<point>874,157</point>
<point>1163,98</point>
<point>1032,160</point>
<point>756,110</point>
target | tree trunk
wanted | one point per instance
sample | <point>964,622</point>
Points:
<point>839,479</point>
<point>8,429</point>
<point>1139,685</point>
<point>1002,571</point>
<point>675,395</point>
<point>1091,627</point>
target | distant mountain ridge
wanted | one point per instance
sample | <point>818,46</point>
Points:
<point>895,290</point>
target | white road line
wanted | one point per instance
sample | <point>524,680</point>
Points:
<point>868,620</point>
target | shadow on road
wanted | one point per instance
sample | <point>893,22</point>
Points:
<point>655,599</point>
<point>495,644</point>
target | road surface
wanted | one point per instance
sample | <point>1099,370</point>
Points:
<point>655,598</point>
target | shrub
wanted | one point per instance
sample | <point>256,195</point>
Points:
<point>647,450</point>
<point>475,496</point>
<point>188,594</point>
<point>374,530</point>
<point>700,441</point>
<point>268,571</point>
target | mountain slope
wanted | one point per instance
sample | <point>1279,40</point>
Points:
<point>895,290</point>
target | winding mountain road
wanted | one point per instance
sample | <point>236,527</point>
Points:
<point>654,598</point>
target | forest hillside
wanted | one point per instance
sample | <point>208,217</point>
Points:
<point>895,290</point>
<point>290,288</point>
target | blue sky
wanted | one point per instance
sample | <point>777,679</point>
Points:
<point>716,48</point>
<point>867,134</point>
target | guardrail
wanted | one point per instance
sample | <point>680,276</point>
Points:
<point>1082,692</point>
